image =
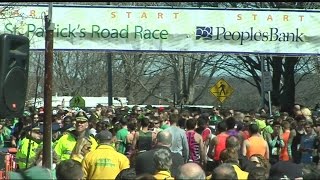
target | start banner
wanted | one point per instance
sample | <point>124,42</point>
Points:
<point>157,29</point>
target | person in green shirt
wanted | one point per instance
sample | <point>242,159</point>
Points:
<point>164,121</point>
<point>164,126</point>
<point>122,136</point>
<point>216,117</point>
<point>5,135</point>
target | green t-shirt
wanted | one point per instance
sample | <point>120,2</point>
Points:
<point>214,120</point>
<point>165,126</point>
<point>122,138</point>
<point>1,141</point>
<point>5,137</point>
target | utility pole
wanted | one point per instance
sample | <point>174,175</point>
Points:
<point>110,93</point>
<point>270,87</point>
<point>47,135</point>
<point>110,83</point>
<point>262,81</point>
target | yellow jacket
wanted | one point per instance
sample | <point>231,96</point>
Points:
<point>66,143</point>
<point>22,152</point>
<point>104,163</point>
<point>243,175</point>
<point>163,175</point>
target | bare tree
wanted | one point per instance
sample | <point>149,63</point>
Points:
<point>283,68</point>
<point>80,73</point>
<point>138,76</point>
<point>187,70</point>
<point>36,74</point>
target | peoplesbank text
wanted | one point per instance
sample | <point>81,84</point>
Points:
<point>272,34</point>
<point>96,31</point>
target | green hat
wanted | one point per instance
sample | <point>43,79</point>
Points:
<point>268,129</point>
<point>261,124</point>
<point>35,172</point>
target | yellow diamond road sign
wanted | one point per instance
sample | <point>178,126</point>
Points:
<point>222,90</point>
<point>77,101</point>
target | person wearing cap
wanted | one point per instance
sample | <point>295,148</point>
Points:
<point>264,129</point>
<point>104,162</point>
<point>76,143</point>
<point>34,137</point>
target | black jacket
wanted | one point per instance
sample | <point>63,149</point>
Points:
<point>145,164</point>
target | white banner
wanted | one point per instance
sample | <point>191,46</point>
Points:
<point>289,32</point>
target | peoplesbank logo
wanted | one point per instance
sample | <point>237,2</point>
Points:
<point>249,34</point>
<point>203,32</point>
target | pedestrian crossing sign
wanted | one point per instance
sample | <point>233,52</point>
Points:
<point>221,90</point>
<point>77,101</point>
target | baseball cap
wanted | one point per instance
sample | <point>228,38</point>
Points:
<point>161,109</point>
<point>104,135</point>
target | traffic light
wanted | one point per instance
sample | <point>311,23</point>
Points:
<point>14,66</point>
